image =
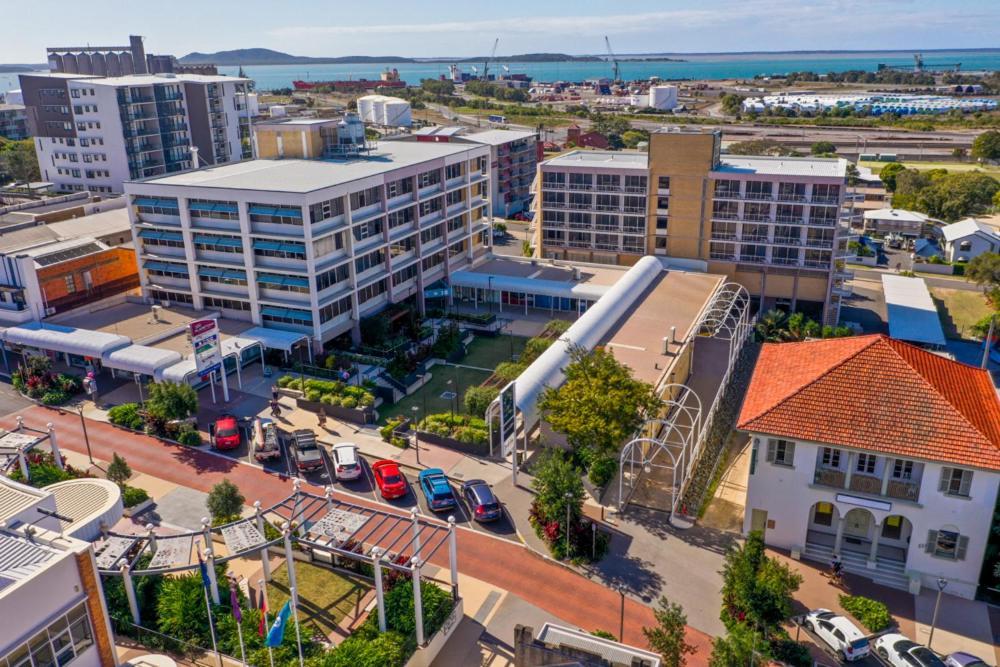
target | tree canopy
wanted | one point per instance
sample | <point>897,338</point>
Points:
<point>18,161</point>
<point>822,148</point>
<point>732,103</point>
<point>171,400</point>
<point>987,145</point>
<point>225,500</point>
<point>667,636</point>
<point>760,147</point>
<point>756,589</point>
<point>888,175</point>
<point>944,195</point>
<point>600,404</point>
<point>554,479</point>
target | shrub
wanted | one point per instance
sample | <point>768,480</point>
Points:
<point>313,395</point>
<point>284,380</point>
<point>478,399</point>
<point>604,634</point>
<point>54,397</point>
<point>391,424</point>
<point>189,437</point>
<point>464,428</point>
<point>791,652</point>
<point>534,349</point>
<point>118,471</point>
<point>508,370</point>
<point>872,614</point>
<point>349,402</point>
<point>132,496</point>
<point>127,415</point>
<point>224,500</point>
<point>171,400</point>
<point>602,470</point>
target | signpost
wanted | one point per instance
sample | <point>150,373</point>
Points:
<point>508,425</point>
<point>207,345</point>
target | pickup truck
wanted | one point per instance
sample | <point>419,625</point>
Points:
<point>266,443</point>
<point>305,450</point>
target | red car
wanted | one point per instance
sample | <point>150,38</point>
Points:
<point>226,433</point>
<point>390,481</point>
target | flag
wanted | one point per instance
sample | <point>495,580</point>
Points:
<point>234,602</point>
<point>277,633</point>
<point>261,628</point>
<point>205,581</point>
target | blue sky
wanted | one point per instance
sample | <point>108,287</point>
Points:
<point>448,28</point>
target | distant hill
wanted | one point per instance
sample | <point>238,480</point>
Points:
<point>15,67</point>
<point>537,58</point>
<point>271,57</point>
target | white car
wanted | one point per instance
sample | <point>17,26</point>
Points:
<point>838,633</point>
<point>346,465</point>
<point>901,651</point>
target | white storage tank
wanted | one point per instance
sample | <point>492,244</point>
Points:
<point>663,98</point>
<point>397,113</point>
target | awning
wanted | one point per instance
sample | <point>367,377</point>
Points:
<point>155,203</point>
<point>278,246</point>
<point>226,241</point>
<point>553,288</point>
<point>159,235</point>
<point>229,274</point>
<point>275,339</point>
<point>208,207</point>
<point>303,316</point>
<point>167,267</point>
<point>275,279</point>
<point>57,338</point>
<point>141,359</point>
<point>277,211</point>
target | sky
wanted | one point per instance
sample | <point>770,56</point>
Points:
<point>424,28</point>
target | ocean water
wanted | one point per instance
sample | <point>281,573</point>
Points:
<point>721,66</point>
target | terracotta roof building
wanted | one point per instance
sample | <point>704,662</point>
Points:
<point>877,450</point>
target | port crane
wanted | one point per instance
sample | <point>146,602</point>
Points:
<point>493,55</point>
<point>615,67</point>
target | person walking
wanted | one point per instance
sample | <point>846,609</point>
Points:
<point>321,418</point>
<point>274,392</point>
<point>836,569</point>
<point>275,409</point>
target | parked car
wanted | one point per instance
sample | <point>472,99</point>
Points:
<point>305,450</point>
<point>961,659</point>
<point>390,481</point>
<point>225,433</point>
<point>436,489</point>
<point>345,461</point>
<point>482,501</point>
<point>266,442</point>
<point>901,651</point>
<point>839,634</point>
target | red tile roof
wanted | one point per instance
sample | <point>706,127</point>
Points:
<point>877,393</point>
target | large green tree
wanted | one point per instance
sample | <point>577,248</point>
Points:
<point>667,636</point>
<point>600,404</point>
<point>756,589</point>
<point>18,161</point>
<point>888,174</point>
<point>732,103</point>
<point>225,501</point>
<point>171,400</point>
<point>742,645</point>
<point>557,484</point>
<point>987,145</point>
<point>822,148</point>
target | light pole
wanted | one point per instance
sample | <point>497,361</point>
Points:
<point>450,384</point>
<point>569,497</point>
<point>621,622</point>
<point>138,382</point>
<point>86,438</point>
<point>942,584</point>
<point>416,436</point>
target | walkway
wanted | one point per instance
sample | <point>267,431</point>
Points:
<point>506,565</point>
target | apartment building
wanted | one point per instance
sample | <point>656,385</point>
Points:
<point>94,133</point>
<point>13,122</point>
<point>311,138</point>
<point>772,224</point>
<point>876,450</point>
<point>514,159</point>
<point>313,245</point>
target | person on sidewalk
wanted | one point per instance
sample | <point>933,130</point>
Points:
<point>274,392</point>
<point>321,418</point>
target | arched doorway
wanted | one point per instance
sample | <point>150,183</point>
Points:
<point>859,527</point>
<point>823,520</point>
<point>894,538</point>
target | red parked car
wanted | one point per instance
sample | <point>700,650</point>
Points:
<point>226,433</point>
<point>390,481</point>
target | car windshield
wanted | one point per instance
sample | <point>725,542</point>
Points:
<point>392,479</point>
<point>926,657</point>
<point>858,644</point>
<point>227,432</point>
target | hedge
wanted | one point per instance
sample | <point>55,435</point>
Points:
<point>464,428</point>
<point>132,496</point>
<point>872,614</point>
<point>127,415</point>
<point>331,392</point>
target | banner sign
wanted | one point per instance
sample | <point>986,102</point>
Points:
<point>508,421</point>
<point>207,345</point>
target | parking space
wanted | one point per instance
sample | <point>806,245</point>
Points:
<point>825,656</point>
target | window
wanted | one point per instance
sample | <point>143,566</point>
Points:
<point>453,171</point>
<point>635,184</point>
<point>60,643</point>
<point>947,543</point>
<point>366,197</point>
<point>401,187</point>
<point>401,217</point>
<point>326,209</point>
<point>831,457</point>
<point>332,277</point>
<point>277,215</point>
<point>955,482</point>
<point>661,243</point>
<point>371,291</point>
<point>229,304</point>
<point>902,469</point>
<point>428,178</point>
<point>866,464</point>
<point>403,275</point>
<point>369,261</point>
<point>823,514</point>
<point>965,246</point>
<point>663,183</point>
<point>338,307</point>
<point>661,223</point>
<point>781,452</point>
<point>70,283</point>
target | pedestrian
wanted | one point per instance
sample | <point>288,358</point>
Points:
<point>274,392</point>
<point>836,569</point>
<point>321,418</point>
<point>275,409</point>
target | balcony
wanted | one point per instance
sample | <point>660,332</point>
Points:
<point>825,200</point>
<point>580,186</point>
<point>727,194</point>
<point>792,197</point>
<point>607,207</point>
<point>785,261</point>
<point>753,259</point>
<point>724,236</point>
<point>759,196</point>
<point>903,489</point>
<point>635,209</point>
<point>756,217</point>
<point>832,477</point>
<point>754,238</point>
<point>823,222</point>
<point>546,185</point>
<point>788,240</point>
<point>862,483</point>
<point>635,190</point>
<point>608,188</point>
<point>790,220</point>
<point>725,257</point>
<point>819,243</point>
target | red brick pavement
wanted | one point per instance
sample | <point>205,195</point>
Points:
<point>506,565</point>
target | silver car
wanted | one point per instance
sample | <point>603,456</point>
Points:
<point>346,465</point>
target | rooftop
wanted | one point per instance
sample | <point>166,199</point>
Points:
<point>967,227</point>
<point>150,79</point>
<point>45,236</point>
<point>498,137</point>
<point>911,312</point>
<point>896,214</point>
<point>875,393</point>
<point>608,159</point>
<point>783,166</point>
<point>303,176</point>
<point>166,331</point>
<point>297,121</point>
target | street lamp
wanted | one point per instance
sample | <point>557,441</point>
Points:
<point>569,497</point>
<point>621,623</point>
<point>416,436</point>
<point>942,584</point>
<point>449,383</point>
<point>86,438</point>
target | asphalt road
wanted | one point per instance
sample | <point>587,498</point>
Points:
<point>10,399</point>
<point>931,280</point>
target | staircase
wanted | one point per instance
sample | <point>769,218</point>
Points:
<point>888,572</point>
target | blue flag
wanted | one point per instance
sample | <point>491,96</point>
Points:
<point>277,632</point>
<point>205,581</point>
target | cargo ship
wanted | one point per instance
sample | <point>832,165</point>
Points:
<point>389,79</point>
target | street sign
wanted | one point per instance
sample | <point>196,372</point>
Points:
<point>207,346</point>
<point>507,418</point>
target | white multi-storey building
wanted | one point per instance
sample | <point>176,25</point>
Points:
<point>876,450</point>
<point>95,133</point>
<point>313,245</point>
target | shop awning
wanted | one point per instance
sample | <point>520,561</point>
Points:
<point>225,241</point>
<point>160,235</point>
<point>57,338</point>
<point>141,359</point>
<point>275,339</point>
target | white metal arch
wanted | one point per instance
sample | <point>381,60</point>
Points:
<point>725,312</point>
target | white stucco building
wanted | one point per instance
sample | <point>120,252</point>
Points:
<point>969,238</point>
<point>876,450</point>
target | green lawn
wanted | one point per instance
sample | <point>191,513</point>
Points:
<point>428,398</point>
<point>950,166</point>
<point>325,597</point>
<point>488,352</point>
<point>959,310</point>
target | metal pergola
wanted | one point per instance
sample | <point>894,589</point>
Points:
<point>324,526</point>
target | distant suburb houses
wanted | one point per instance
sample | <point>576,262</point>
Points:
<point>876,450</point>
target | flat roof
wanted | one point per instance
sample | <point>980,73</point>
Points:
<point>297,121</point>
<point>896,214</point>
<point>166,332</point>
<point>913,317</point>
<point>150,79</point>
<point>616,159</point>
<point>550,270</point>
<point>498,137</point>
<point>302,176</point>
<point>783,166</point>
<point>12,107</point>
<point>81,342</point>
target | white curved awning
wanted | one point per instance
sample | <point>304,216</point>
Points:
<point>185,369</point>
<point>58,338</point>
<point>141,359</point>
<point>586,332</point>
<point>275,339</point>
<point>553,288</point>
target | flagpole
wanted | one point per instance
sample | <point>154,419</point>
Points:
<point>243,653</point>
<point>264,608</point>
<point>234,601</point>
<point>208,604</point>
<point>298,634</point>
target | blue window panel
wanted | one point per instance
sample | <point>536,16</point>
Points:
<point>273,311</point>
<point>144,201</point>
<point>260,244</point>
<point>230,242</point>
<point>270,279</point>
<point>201,206</point>
<point>262,210</point>
<point>288,212</point>
<point>210,271</point>
<point>296,281</point>
<point>293,247</point>
<point>218,241</point>
<point>226,207</point>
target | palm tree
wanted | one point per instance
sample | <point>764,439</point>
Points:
<point>772,326</point>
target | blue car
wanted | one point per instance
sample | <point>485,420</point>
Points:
<point>436,489</point>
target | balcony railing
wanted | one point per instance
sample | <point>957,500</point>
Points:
<point>759,196</point>
<point>634,189</point>
<point>724,236</point>
<point>607,188</point>
<point>727,194</point>
<point>756,217</point>
<point>831,477</point>
<point>825,200</point>
<point>866,484</point>
<point>754,238</point>
<point>785,261</point>
<point>580,186</point>
<point>903,489</point>
<point>792,196</point>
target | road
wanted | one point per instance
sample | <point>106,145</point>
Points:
<point>500,562</point>
<point>931,280</point>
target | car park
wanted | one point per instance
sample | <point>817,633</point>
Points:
<point>225,433</point>
<point>390,481</point>
<point>305,450</point>
<point>265,440</point>
<point>901,651</point>
<point>962,659</point>
<point>436,489</point>
<point>346,464</point>
<point>838,633</point>
<point>483,503</point>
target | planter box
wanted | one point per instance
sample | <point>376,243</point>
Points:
<point>339,412</point>
<point>426,655</point>
<point>140,508</point>
<point>451,443</point>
